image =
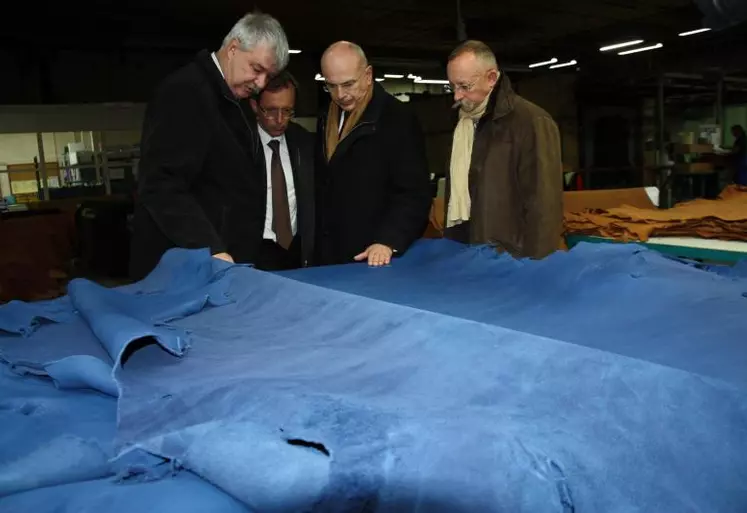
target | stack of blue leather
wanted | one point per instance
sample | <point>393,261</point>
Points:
<point>609,378</point>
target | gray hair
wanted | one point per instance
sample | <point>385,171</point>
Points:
<point>256,29</point>
<point>479,49</point>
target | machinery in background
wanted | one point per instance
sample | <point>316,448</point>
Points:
<point>122,164</point>
<point>102,224</point>
<point>78,165</point>
<point>86,173</point>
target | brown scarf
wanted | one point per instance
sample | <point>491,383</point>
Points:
<point>351,119</point>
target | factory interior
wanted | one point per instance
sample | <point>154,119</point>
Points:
<point>608,376</point>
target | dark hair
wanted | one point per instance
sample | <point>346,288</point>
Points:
<point>281,81</point>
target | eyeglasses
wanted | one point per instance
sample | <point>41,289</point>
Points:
<point>465,88</point>
<point>469,86</point>
<point>345,87</point>
<point>276,112</point>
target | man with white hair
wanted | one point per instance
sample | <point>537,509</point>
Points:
<point>199,182</point>
<point>504,185</point>
<point>372,172</point>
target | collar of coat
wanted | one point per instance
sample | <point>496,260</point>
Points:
<point>373,110</point>
<point>502,98</point>
<point>205,61</point>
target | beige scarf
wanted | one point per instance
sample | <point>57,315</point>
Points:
<point>460,202</point>
<point>334,135</point>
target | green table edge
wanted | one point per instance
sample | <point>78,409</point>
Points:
<point>713,255</point>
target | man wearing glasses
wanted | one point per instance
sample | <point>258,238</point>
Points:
<point>504,185</point>
<point>199,185</point>
<point>372,176</point>
<point>288,154</point>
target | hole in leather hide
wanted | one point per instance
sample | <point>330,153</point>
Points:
<point>312,445</point>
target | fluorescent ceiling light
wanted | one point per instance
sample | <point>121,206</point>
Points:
<point>545,63</point>
<point>420,80</point>
<point>691,32</point>
<point>294,51</point>
<point>620,45</point>
<point>564,64</point>
<point>644,49</point>
<point>389,75</point>
<point>379,79</point>
<point>319,77</point>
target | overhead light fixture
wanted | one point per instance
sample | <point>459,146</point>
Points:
<point>621,45</point>
<point>693,32</point>
<point>430,81</point>
<point>564,64</point>
<point>544,63</point>
<point>644,49</point>
<point>319,77</point>
<point>389,75</point>
<point>379,79</point>
<point>410,76</point>
<point>294,51</point>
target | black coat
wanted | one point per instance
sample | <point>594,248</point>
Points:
<point>201,180</point>
<point>375,189</point>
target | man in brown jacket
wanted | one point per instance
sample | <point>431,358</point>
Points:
<point>504,185</point>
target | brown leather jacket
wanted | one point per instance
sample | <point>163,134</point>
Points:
<point>516,179</point>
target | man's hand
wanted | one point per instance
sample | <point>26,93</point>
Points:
<point>377,255</point>
<point>224,256</point>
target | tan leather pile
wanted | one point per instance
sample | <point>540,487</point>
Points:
<point>724,218</point>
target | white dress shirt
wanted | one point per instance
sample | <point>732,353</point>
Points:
<point>288,171</point>
<point>217,64</point>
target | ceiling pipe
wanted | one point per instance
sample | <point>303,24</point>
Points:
<point>684,76</point>
<point>721,14</point>
<point>460,26</point>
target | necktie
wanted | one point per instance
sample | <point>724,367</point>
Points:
<point>281,221</point>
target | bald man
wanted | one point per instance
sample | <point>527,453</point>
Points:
<point>504,185</point>
<point>372,175</point>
